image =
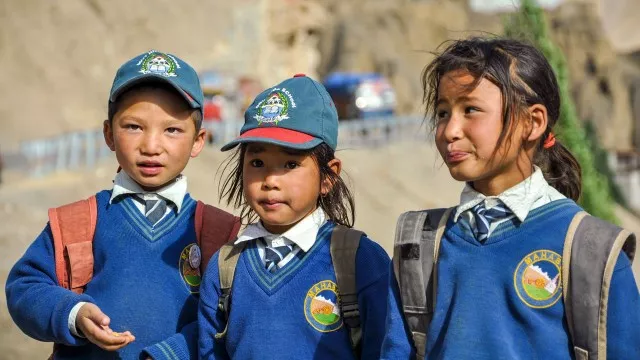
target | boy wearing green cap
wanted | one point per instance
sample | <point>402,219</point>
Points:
<point>299,282</point>
<point>140,296</point>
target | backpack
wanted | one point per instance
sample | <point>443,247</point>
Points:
<point>590,252</point>
<point>73,226</point>
<point>344,245</point>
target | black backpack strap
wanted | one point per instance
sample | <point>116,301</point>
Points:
<point>590,253</point>
<point>344,245</point>
<point>415,253</point>
<point>227,261</point>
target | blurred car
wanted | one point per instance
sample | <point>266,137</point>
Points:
<point>361,95</point>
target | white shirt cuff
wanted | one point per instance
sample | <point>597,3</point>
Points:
<point>72,319</point>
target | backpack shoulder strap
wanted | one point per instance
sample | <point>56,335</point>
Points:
<point>227,261</point>
<point>73,226</point>
<point>415,253</point>
<point>344,246</point>
<point>590,253</point>
<point>214,228</point>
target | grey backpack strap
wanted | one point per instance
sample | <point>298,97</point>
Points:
<point>415,252</point>
<point>227,261</point>
<point>590,253</point>
<point>344,245</point>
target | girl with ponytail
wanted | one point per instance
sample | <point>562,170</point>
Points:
<point>493,104</point>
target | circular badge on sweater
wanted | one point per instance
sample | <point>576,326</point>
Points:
<point>321,307</point>
<point>537,279</point>
<point>190,274</point>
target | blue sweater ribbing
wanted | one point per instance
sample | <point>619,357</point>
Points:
<point>137,282</point>
<point>494,301</point>
<point>283,315</point>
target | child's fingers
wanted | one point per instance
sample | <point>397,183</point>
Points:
<point>96,315</point>
<point>107,340</point>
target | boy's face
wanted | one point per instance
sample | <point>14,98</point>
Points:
<point>282,186</point>
<point>153,136</point>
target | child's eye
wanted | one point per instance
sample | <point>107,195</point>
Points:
<point>291,165</point>
<point>470,109</point>
<point>173,130</point>
<point>256,163</point>
<point>441,115</point>
<point>132,127</point>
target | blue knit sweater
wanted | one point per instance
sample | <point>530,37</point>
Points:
<point>291,314</point>
<point>139,282</point>
<point>501,300</point>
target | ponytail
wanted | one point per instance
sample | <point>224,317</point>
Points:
<point>560,168</point>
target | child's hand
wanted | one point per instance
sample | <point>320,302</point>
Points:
<point>94,324</point>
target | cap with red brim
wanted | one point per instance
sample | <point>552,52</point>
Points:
<point>298,113</point>
<point>278,136</point>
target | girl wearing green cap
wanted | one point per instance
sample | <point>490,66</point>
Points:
<point>298,282</point>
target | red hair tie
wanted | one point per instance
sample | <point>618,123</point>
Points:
<point>549,141</point>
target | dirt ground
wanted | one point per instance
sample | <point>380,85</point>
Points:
<point>387,181</point>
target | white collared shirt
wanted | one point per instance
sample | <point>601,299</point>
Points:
<point>302,235</point>
<point>174,193</point>
<point>123,184</point>
<point>533,192</point>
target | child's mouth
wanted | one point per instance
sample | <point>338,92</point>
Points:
<point>271,204</point>
<point>456,156</point>
<point>150,168</point>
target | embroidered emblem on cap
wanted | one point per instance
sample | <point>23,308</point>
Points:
<point>275,107</point>
<point>158,63</point>
<point>321,307</point>
<point>537,279</point>
<point>189,257</point>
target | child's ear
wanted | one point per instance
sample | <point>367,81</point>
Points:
<point>108,135</point>
<point>336,166</point>
<point>538,122</point>
<point>198,143</point>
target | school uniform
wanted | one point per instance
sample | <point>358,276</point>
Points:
<point>292,312</point>
<point>501,298</point>
<point>140,279</point>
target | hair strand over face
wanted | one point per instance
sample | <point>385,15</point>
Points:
<point>338,203</point>
<point>524,77</point>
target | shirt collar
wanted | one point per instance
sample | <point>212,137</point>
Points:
<point>303,233</point>
<point>519,198</point>
<point>123,184</point>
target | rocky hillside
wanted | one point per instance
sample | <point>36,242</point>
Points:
<point>59,57</point>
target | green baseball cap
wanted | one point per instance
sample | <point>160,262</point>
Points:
<point>298,113</point>
<point>159,66</point>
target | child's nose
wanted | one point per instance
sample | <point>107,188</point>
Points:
<point>271,181</point>
<point>150,144</point>
<point>453,128</point>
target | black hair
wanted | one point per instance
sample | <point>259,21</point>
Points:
<point>114,106</point>
<point>525,78</point>
<point>338,203</point>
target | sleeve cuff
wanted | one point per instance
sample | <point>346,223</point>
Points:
<point>168,349</point>
<point>72,319</point>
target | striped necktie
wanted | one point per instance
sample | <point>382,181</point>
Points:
<point>154,209</point>
<point>484,217</point>
<point>274,254</point>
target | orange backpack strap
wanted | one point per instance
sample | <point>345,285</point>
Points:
<point>73,226</point>
<point>214,228</point>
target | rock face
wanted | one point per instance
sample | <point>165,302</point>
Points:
<point>601,85</point>
<point>391,37</point>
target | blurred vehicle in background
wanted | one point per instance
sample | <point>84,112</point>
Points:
<point>226,97</point>
<point>361,95</point>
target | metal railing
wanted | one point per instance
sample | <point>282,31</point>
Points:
<point>75,150</point>
<point>68,151</point>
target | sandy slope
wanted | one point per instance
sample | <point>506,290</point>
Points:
<point>386,181</point>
